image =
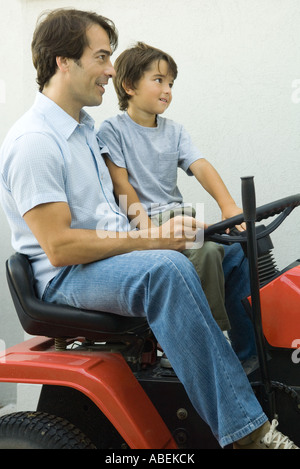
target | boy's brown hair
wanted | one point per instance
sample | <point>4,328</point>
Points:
<point>62,33</point>
<point>132,64</point>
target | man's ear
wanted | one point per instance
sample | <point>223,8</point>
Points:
<point>62,63</point>
<point>128,88</point>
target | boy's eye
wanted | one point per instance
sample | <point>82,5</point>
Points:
<point>160,80</point>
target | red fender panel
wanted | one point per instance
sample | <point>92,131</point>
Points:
<point>280,308</point>
<point>104,377</point>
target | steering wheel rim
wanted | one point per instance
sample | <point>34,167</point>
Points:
<point>281,207</point>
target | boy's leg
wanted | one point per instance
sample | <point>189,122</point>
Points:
<point>207,261</point>
<point>164,286</point>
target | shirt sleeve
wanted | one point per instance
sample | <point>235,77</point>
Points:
<point>188,152</point>
<point>111,138</point>
<point>34,173</point>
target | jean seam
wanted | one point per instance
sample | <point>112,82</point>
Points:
<point>244,431</point>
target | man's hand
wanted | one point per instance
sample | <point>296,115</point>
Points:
<point>178,233</point>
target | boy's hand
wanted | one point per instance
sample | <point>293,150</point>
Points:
<point>231,211</point>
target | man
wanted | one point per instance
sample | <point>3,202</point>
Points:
<point>57,194</point>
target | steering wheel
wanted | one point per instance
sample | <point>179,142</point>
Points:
<point>282,208</point>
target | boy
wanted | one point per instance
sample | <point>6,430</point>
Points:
<point>144,153</point>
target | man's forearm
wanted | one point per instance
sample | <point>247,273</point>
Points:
<point>79,246</point>
<point>63,245</point>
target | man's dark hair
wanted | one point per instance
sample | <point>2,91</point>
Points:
<point>62,33</point>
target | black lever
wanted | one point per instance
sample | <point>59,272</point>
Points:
<point>249,209</point>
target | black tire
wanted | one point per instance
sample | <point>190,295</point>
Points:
<point>37,430</point>
<point>287,404</point>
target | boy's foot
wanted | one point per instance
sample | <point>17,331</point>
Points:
<point>265,437</point>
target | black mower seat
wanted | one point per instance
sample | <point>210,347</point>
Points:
<point>60,321</point>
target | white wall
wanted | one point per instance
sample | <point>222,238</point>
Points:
<point>237,92</point>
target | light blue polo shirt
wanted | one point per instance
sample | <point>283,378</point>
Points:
<point>49,157</point>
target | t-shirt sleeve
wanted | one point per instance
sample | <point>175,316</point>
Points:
<point>34,173</point>
<point>112,139</point>
<point>188,152</point>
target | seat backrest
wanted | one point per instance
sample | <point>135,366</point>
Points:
<point>62,321</point>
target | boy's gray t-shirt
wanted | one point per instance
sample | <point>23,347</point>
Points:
<point>151,157</point>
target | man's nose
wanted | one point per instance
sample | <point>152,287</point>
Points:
<point>110,71</point>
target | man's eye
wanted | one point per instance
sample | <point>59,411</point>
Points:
<point>101,57</point>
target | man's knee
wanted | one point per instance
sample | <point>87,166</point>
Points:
<point>172,265</point>
<point>175,258</point>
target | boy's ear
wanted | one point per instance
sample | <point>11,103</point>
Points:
<point>128,88</point>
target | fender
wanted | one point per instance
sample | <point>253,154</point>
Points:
<point>103,377</point>
<point>280,309</point>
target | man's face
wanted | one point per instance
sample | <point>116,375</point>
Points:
<point>89,75</point>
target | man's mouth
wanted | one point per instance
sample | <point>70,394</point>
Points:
<point>101,86</point>
<point>164,100</point>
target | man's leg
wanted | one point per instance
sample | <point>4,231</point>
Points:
<point>207,261</point>
<point>164,286</point>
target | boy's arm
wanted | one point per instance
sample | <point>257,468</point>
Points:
<point>212,182</point>
<point>127,196</point>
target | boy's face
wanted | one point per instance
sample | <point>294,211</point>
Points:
<point>153,93</point>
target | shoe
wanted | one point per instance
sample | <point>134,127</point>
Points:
<point>265,437</point>
<point>164,362</point>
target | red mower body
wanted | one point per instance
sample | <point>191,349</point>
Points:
<point>105,378</point>
<point>280,309</point>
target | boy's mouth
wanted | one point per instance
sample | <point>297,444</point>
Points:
<point>164,100</point>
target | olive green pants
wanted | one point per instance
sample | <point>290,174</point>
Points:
<point>207,261</point>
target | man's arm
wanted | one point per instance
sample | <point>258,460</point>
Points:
<point>51,225</point>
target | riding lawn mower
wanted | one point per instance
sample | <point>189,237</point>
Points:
<point>106,384</point>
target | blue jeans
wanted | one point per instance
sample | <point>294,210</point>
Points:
<point>237,287</point>
<point>164,287</point>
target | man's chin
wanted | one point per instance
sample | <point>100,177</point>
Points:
<point>94,102</point>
